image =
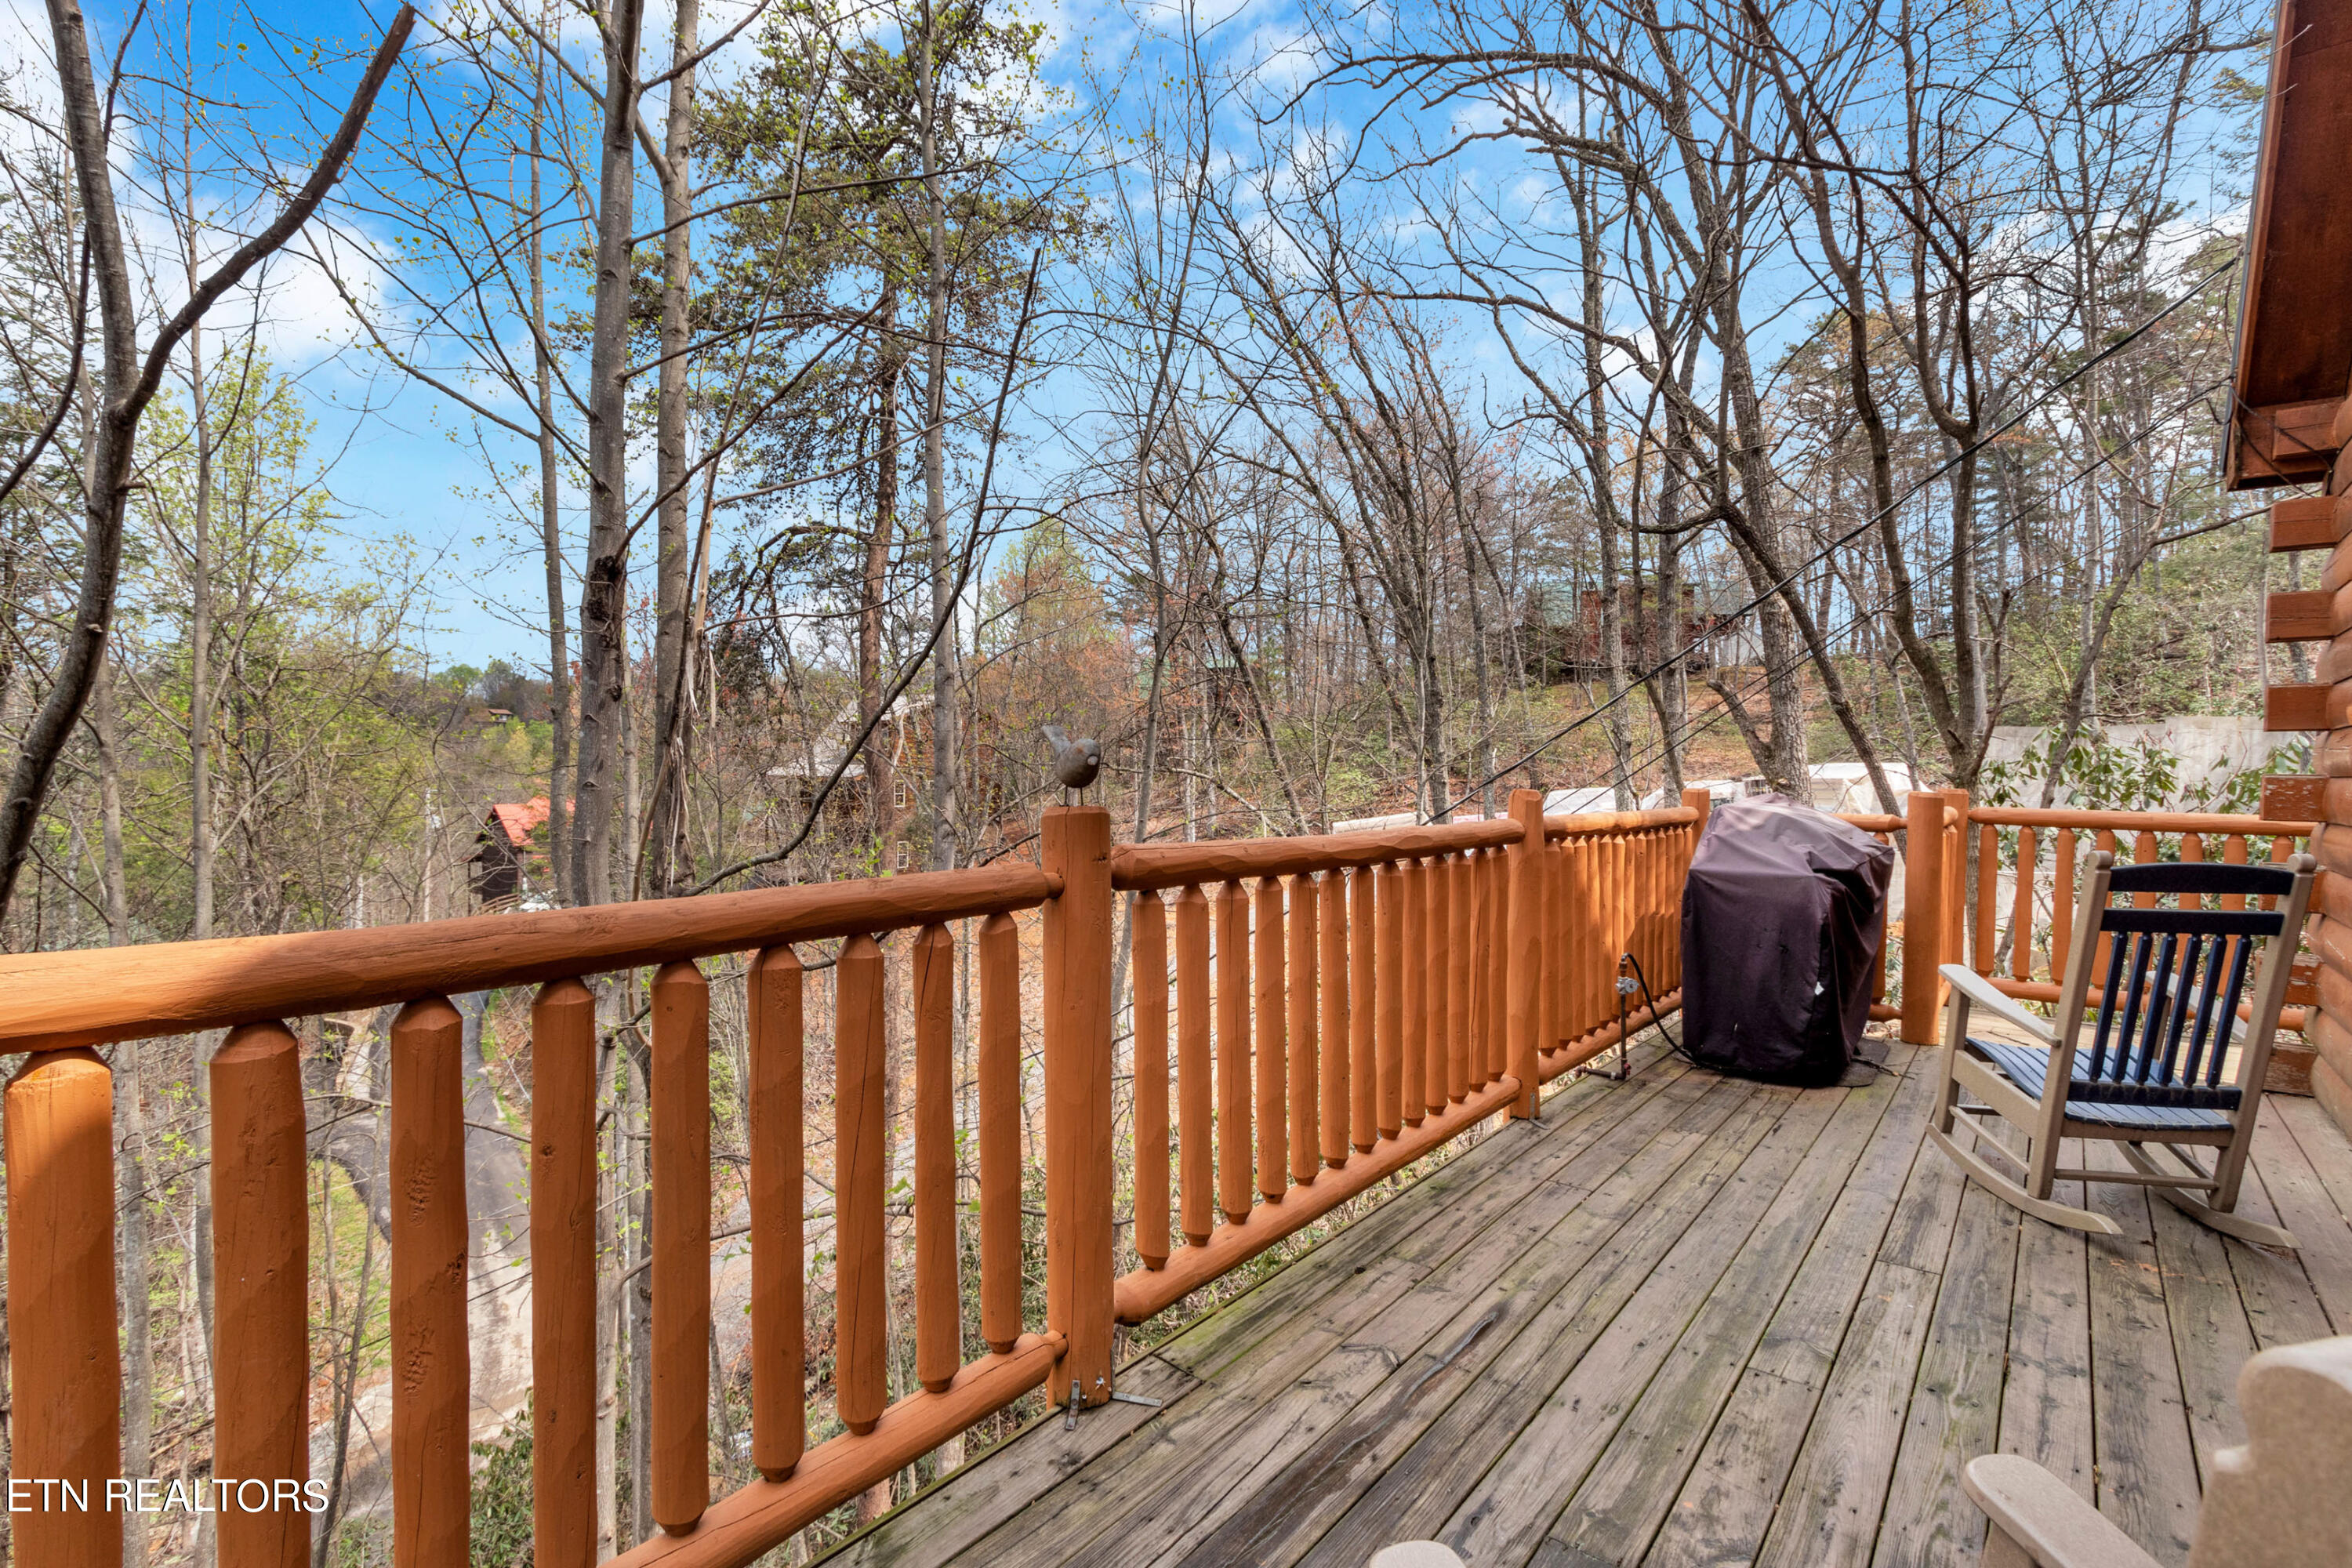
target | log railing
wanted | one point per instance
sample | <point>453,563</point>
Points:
<point>2028,867</point>
<point>1389,990</point>
<point>1309,1016</point>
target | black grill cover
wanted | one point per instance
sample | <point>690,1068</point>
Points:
<point>1783,912</point>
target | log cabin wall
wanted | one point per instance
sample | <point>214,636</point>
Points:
<point>2292,426</point>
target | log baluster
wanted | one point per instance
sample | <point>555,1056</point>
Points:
<point>1499,907</point>
<point>681,1247</point>
<point>1523,991</point>
<point>1422,973</point>
<point>1305,1045</point>
<point>860,1183</point>
<point>1334,996</point>
<point>938,1290</point>
<point>431,1495</point>
<point>2021,911</point>
<point>2105,840</point>
<point>1923,876</point>
<point>1449,1057</point>
<point>1392,971</point>
<point>778,1372</point>
<point>1956,879</point>
<point>261,1234</point>
<point>1549,869</point>
<point>563,1204</point>
<point>1988,937</point>
<point>2233,852</point>
<point>65,1366</point>
<point>1588,938</point>
<point>1233,1052</point>
<point>1362,1011</point>
<point>1561,897</point>
<point>999,1068</point>
<point>2061,902</point>
<point>1196,1163</point>
<point>1272,1044</point>
<point>1151,927</point>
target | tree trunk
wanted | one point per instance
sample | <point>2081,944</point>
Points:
<point>605,582</point>
<point>674,588</point>
<point>944,657</point>
<point>874,579</point>
<point>550,527</point>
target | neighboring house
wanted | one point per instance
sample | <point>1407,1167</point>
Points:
<point>508,867</point>
<point>1573,649</point>
<point>903,742</point>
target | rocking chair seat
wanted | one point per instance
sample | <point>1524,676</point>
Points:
<point>2028,1066</point>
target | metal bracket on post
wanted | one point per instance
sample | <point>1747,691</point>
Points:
<point>1625,1000</point>
<point>1115,1396</point>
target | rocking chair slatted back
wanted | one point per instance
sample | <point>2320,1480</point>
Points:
<point>2175,977</point>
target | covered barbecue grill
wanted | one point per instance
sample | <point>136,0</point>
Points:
<point>1782,915</point>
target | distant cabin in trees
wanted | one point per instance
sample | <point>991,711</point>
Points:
<point>508,866</point>
<point>900,749</point>
<point>1557,646</point>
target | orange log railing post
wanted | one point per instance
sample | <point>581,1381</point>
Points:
<point>262,1252</point>
<point>1078,1172</point>
<point>431,1499</point>
<point>65,1364</point>
<point>1923,912</point>
<point>1523,920</point>
<point>563,1273</point>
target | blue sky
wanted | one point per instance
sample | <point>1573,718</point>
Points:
<point>407,466</point>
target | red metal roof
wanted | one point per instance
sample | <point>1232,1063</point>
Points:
<point>519,820</point>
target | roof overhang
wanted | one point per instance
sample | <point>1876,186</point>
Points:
<point>2294,322</point>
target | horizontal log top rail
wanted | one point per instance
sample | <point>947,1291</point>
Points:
<point>92,995</point>
<point>1145,868</point>
<point>1587,823</point>
<point>2208,822</point>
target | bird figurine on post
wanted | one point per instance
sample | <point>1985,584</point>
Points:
<point>1075,762</point>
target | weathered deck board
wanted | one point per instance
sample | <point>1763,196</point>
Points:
<point>1728,1502</point>
<point>1682,1321</point>
<point>2139,1423</point>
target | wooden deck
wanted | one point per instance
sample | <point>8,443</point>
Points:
<point>1681,1320</point>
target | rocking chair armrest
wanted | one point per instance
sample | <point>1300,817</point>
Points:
<point>1982,993</point>
<point>2052,1523</point>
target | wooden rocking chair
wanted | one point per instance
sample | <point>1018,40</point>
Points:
<point>2277,1501</point>
<point>2147,1075</point>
